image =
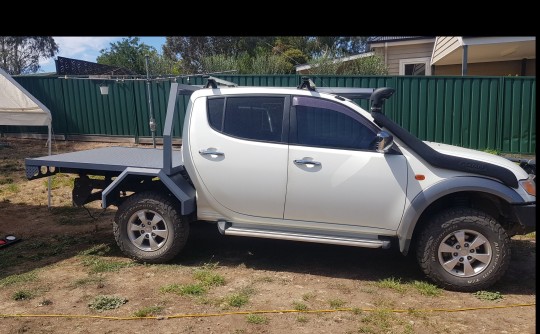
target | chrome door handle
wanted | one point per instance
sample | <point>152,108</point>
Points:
<point>307,162</point>
<point>207,152</point>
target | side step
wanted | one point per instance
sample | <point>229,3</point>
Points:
<point>226,228</point>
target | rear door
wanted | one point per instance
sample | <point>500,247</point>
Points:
<point>239,150</point>
<point>334,173</point>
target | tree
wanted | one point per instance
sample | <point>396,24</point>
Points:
<point>131,54</point>
<point>21,54</point>
<point>191,50</point>
<point>329,64</point>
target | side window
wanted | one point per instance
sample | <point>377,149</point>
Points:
<point>324,123</point>
<point>251,117</point>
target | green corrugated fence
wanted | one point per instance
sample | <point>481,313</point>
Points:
<point>497,113</point>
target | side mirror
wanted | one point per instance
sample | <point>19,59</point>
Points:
<point>384,142</point>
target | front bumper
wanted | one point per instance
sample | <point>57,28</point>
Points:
<point>526,215</point>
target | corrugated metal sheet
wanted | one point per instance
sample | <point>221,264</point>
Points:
<point>476,112</point>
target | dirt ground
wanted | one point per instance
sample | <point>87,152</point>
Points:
<point>67,257</point>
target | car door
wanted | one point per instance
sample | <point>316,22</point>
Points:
<point>239,150</point>
<point>334,173</point>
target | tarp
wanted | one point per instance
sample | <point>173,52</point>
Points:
<point>18,107</point>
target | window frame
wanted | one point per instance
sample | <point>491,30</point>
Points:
<point>409,61</point>
<point>285,121</point>
<point>293,135</point>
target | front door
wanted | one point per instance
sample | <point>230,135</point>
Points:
<point>239,150</point>
<point>334,173</point>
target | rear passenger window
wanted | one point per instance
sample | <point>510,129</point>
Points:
<point>252,117</point>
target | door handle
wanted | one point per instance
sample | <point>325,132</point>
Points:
<point>307,162</point>
<point>207,152</point>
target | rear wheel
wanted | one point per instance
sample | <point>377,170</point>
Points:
<point>148,227</point>
<point>464,249</point>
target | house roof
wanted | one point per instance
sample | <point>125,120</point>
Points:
<point>449,49</point>
<point>378,39</point>
<point>338,60</point>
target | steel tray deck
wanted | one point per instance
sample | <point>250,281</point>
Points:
<point>114,159</point>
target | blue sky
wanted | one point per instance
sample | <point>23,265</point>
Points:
<point>87,48</point>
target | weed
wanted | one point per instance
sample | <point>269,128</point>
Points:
<point>19,278</point>
<point>101,249</point>
<point>237,299</point>
<point>256,319</point>
<point>148,311</point>
<point>408,329</point>
<point>300,306</point>
<point>100,265</point>
<point>336,303</point>
<point>88,280</point>
<point>7,180</point>
<point>302,319</point>
<point>365,330</point>
<point>427,289</point>
<point>308,296</point>
<point>391,283</point>
<point>45,302</point>
<point>189,289</point>
<point>22,295</point>
<point>60,180</point>
<point>356,310</point>
<point>265,279</point>
<point>379,317</point>
<point>488,295</point>
<point>13,187</point>
<point>208,278</point>
<point>102,303</point>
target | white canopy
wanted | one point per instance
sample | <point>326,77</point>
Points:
<point>18,107</point>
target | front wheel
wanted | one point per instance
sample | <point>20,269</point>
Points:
<point>463,249</point>
<point>148,227</point>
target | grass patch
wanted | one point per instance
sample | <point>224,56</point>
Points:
<point>300,306</point>
<point>19,278</point>
<point>148,311</point>
<point>380,318</point>
<point>237,299</point>
<point>101,249</point>
<point>60,180</point>
<point>256,319</point>
<point>6,180</point>
<point>302,319</point>
<point>488,295</point>
<point>22,295</point>
<point>12,188</point>
<point>427,289</point>
<point>102,303</point>
<point>208,278</point>
<point>336,303</point>
<point>100,265</point>
<point>391,283</point>
<point>196,289</point>
<point>308,296</point>
<point>98,280</point>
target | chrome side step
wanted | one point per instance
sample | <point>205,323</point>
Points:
<point>227,228</point>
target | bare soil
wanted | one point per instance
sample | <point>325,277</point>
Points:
<point>67,257</point>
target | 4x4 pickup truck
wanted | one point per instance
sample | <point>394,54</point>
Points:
<point>308,164</point>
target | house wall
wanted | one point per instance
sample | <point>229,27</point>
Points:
<point>395,53</point>
<point>444,45</point>
<point>499,68</point>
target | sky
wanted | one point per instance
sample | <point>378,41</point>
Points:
<point>87,48</point>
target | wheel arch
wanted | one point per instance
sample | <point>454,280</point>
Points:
<point>488,195</point>
<point>181,189</point>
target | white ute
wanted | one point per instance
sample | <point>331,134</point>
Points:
<point>308,164</point>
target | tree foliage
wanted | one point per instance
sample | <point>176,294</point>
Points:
<point>330,64</point>
<point>130,53</point>
<point>200,53</point>
<point>21,54</point>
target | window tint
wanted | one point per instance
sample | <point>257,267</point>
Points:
<point>253,117</point>
<point>323,124</point>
